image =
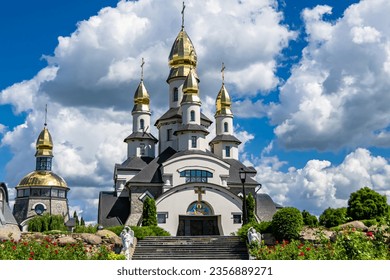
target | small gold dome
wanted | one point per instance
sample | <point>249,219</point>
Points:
<point>223,104</point>
<point>191,89</point>
<point>182,56</point>
<point>44,144</point>
<point>141,99</point>
<point>42,179</point>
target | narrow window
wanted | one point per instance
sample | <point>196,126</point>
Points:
<point>142,124</point>
<point>142,148</point>
<point>225,127</point>
<point>192,115</point>
<point>175,94</point>
<point>193,141</point>
<point>169,134</point>
<point>227,151</point>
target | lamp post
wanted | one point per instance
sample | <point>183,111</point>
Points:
<point>244,211</point>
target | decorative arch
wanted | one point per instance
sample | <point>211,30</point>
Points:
<point>201,208</point>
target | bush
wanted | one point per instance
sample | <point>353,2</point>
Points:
<point>308,219</point>
<point>149,212</point>
<point>141,232</point>
<point>367,204</point>
<point>250,207</point>
<point>333,217</point>
<point>287,223</point>
<point>46,222</point>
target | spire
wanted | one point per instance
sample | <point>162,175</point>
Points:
<point>191,89</point>
<point>182,16</point>
<point>141,96</point>
<point>223,104</point>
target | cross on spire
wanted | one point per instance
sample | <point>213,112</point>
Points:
<point>45,115</point>
<point>142,69</point>
<point>182,16</point>
<point>223,72</point>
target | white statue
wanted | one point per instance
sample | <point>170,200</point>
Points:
<point>253,236</point>
<point>127,236</point>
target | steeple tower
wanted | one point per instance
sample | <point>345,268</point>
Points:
<point>44,148</point>
<point>141,143</point>
<point>225,144</point>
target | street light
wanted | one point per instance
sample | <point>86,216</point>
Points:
<point>244,211</point>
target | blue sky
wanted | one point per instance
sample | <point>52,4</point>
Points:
<point>309,81</point>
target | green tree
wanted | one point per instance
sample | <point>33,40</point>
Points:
<point>287,223</point>
<point>367,204</point>
<point>76,217</point>
<point>149,212</point>
<point>308,219</point>
<point>46,222</point>
<point>82,222</point>
<point>250,208</point>
<point>332,217</point>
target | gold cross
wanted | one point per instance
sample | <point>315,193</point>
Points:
<point>46,115</point>
<point>199,191</point>
<point>142,69</point>
<point>223,72</point>
<point>182,15</point>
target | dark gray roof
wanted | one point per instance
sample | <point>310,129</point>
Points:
<point>6,217</point>
<point>152,172</point>
<point>134,163</point>
<point>265,207</point>
<point>225,138</point>
<point>141,135</point>
<point>177,113</point>
<point>191,127</point>
<point>234,175</point>
<point>113,210</point>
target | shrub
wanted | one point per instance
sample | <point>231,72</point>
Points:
<point>141,232</point>
<point>250,207</point>
<point>333,217</point>
<point>287,223</point>
<point>308,219</point>
<point>46,222</point>
<point>149,212</point>
<point>367,204</point>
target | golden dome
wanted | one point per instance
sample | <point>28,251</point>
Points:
<point>182,56</point>
<point>141,99</point>
<point>44,144</point>
<point>191,89</point>
<point>223,104</point>
<point>42,179</point>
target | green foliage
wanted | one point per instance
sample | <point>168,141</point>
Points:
<point>367,204</point>
<point>348,245</point>
<point>82,222</point>
<point>332,217</point>
<point>141,232</point>
<point>250,207</point>
<point>308,219</point>
<point>76,217</point>
<point>46,222</point>
<point>287,223</point>
<point>262,227</point>
<point>149,212</point>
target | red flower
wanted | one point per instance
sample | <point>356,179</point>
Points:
<point>31,253</point>
<point>369,233</point>
<point>301,254</point>
<point>30,258</point>
<point>300,246</point>
<point>308,249</point>
<point>56,252</point>
<point>14,247</point>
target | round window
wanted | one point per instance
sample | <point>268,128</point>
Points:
<point>39,209</point>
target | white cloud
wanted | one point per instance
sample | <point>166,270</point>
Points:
<point>90,80</point>
<point>336,95</point>
<point>320,184</point>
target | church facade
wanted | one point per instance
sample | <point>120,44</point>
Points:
<point>195,183</point>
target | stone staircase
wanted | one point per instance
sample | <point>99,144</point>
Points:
<point>191,248</point>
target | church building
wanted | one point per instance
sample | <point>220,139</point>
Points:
<point>196,184</point>
<point>41,191</point>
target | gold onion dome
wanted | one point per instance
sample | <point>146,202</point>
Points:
<point>141,99</point>
<point>223,103</point>
<point>191,89</point>
<point>182,56</point>
<point>42,179</point>
<point>44,144</point>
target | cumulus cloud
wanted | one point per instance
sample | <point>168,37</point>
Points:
<point>336,95</point>
<point>90,80</point>
<point>320,184</point>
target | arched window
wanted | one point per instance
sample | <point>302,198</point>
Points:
<point>196,175</point>
<point>192,115</point>
<point>175,94</point>
<point>227,151</point>
<point>142,124</point>
<point>225,127</point>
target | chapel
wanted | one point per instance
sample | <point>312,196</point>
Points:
<point>196,184</point>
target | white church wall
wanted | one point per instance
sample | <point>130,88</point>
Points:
<point>177,202</point>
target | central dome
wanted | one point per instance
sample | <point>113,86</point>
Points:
<point>42,179</point>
